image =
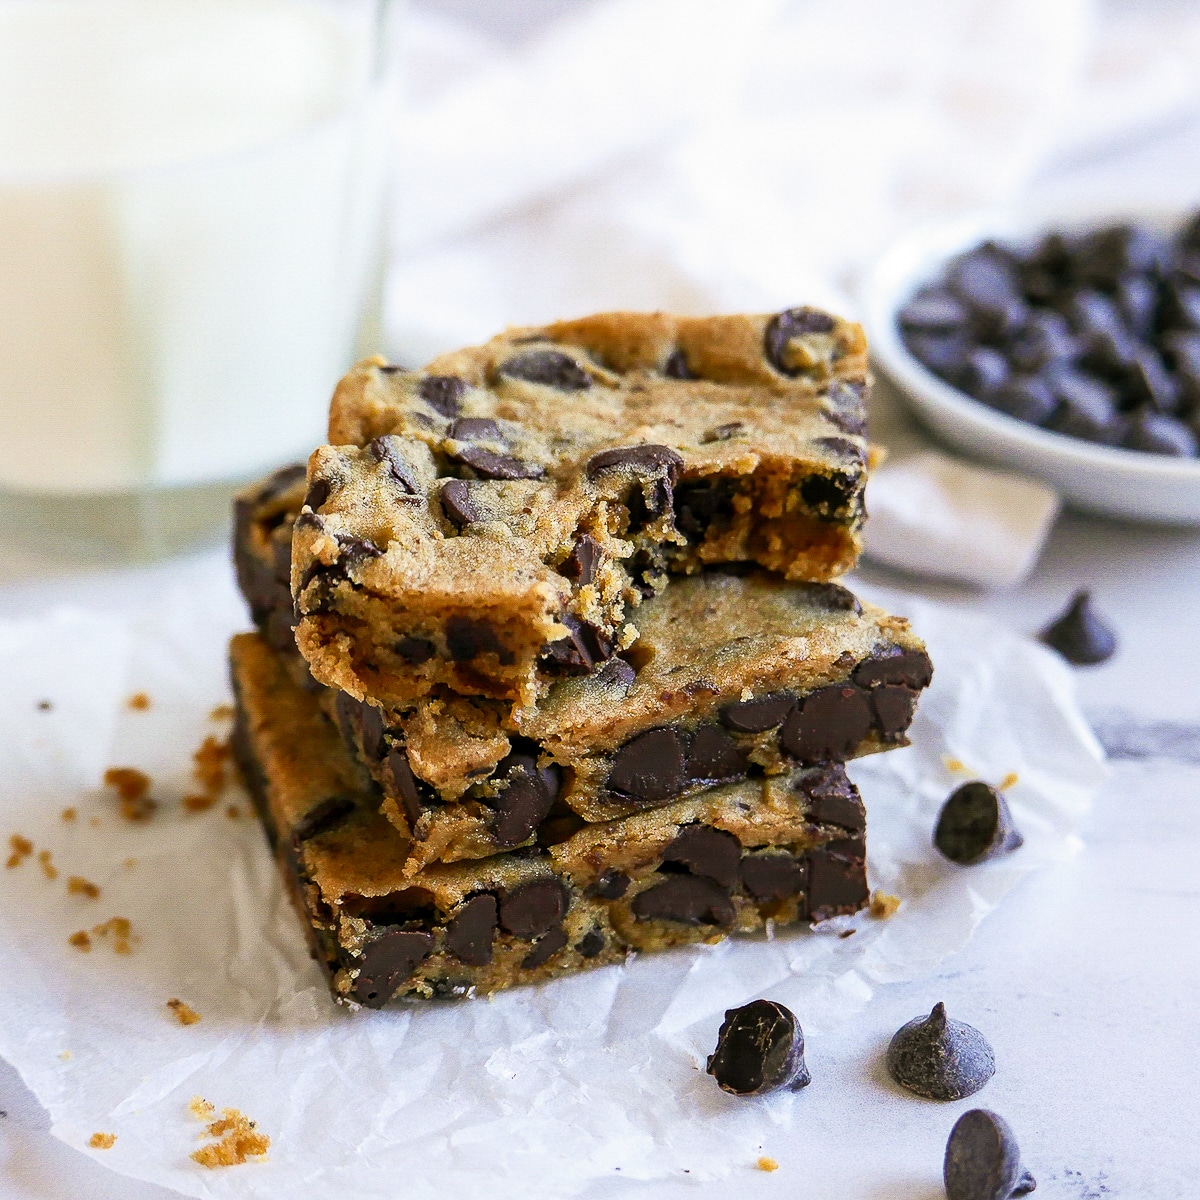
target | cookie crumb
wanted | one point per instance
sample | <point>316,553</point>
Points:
<point>201,1109</point>
<point>78,886</point>
<point>233,812</point>
<point>22,847</point>
<point>80,940</point>
<point>139,702</point>
<point>195,803</point>
<point>1010,780</point>
<point>69,815</point>
<point>955,765</point>
<point>221,713</point>
<point>44,705</point>
<point>184,1013</point>
<point>132,786</point>
<point>129,864</point>
<point>846,933</point>
<point>121,929</point>
<point>883,904</point>
<point>238,1138</point>
<point>767,1164</point>
<point>102,1141</point>
<point>209,768</point>
<point>46,862</point>
<point>64,1055</point>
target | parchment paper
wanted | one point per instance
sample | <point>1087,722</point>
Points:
<point>537,1092</point>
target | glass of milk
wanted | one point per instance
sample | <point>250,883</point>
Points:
<point>191,214</point>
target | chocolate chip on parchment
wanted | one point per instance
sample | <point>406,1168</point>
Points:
<point>975,824</point>
<point>323,816</point>
<point>526,799</point>
<point>533,908</point>
<point>469,935</point>
<point>893,664</point>
<point>387,962</point>
<point>489,465</point>
<point>610,885</point>
<point>443,393</point>
<point>401,784</point>
<point>468,637</point>
<point>549,367</point>
<point>714,756</point>
<point>591,944</point>
<point>939,1058</point>
<point>788,325</point>
<point>650,767</point>
<point>1081,635</point>
<point>580,564</point>
<point>705,850</point>
<point>388,455</point>
<point>457,503</point>
<point>760,714</point>
<point>773,876</point>
<point>475,429</point>
<point>829,723</point>
<point>647,458</point>
<point>836,885</point>
<point>760,1049</point>
<point>688,899</point>
<point>545,948</point>
<point>676,366</point>
<point>983,1160</point>
<point>415,650</point>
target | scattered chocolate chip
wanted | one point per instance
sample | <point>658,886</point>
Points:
<point>714,756</point>
<point>549,367</point>
<point>371,731</point>
<point>647,458</point>
<point>591,944</point>
<point>401,784</point>
<point>579,652</point>
<point>611,885</point>
<point>489,465</point>
<point>836,885</point>
<point>773,876</point>
<point>580,564</point>
<point>457,503</point>
<point>415,650</point>
<point>688,899</point>
<point>939,1058</point>
<point>893,664</point>
<point>386,963</point>
<point>317,494</point>
<point>1081,635</point>
<point>650,767</point>
<point>832,798</point>
<point>829,723</point>
<point>706,851</point>
<point>760,1049</point>
<point>386,454</point>
<point>788,325</point>
<point>975,824</point>
<point>443,393</point>
<point>468,637</point>
<point>545,948</point>
<point>760,714</point>
<point>475,429</point>
<point>525,801</point>
<point>722,433</point>
<point>533,908</point>
<point>469,935</point>
<point>983,1160</point>
<point>325,815</point>
<point>676,366</point>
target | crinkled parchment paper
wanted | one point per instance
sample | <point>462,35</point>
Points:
<point>536,1092</point>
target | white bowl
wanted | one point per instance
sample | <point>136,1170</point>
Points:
<point>1099,479</point>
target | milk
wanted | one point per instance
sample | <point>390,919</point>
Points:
<point>190,213</point>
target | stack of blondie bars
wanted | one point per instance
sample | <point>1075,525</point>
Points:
<point>551,663</point>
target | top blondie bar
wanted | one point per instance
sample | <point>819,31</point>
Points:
<point>490,523</point>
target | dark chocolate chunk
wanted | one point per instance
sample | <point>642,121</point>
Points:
<point>759,714</point>
<point>1137,298</point>
<point>647,458</point>
<point>415,650</point>
<point>1081,635</point>
<point>1148,382</point>
<point>829,495</point>
<point>611,885</point>
<point>469,936</point>
<point>650,767</point>
<point>489,465</point>
<point>355,549</point>
<point>676,366</point>
<point>760,1049</point>
<point>829,723</point>
<point>371,731</point>
<point>1087,409</point>
<point>787,325</point>
<point>387,455</point>
<point>894,705</point>
<point>983,372</point>
<point>699,503</point>
<point>844,448</point>
<point>983,1160</point>
<point>773,876</point>
<point>525,801</point>
<point>1156,433</point>
<point>545,948</point>
<point>401,784</point>
<point>469,637</point>
<point>688,899</point>
<point>836,885</point>
<point>894,664</point>
<point>975,824</point>
<point>549,367</point>
<point>475,429</point>
<point>443,393</point>
<point>579,652</point>
<point>1044,339</point>
<point>533,908</point>
<point>722,433</point>
<point>832,798</point>
<point>1029,398</point>
<point>986,283</point>
<point>615,673</point>
<point>832,597</point>
<point>457,503</point>
<point>933,311</point>
<point>317,494</point>
<point>705,850</point>
<point>944,356</point>
<point>1180,305</point>
<point>580,564</point>
<point>325,815</point>
<point>591,944</point>
<point>939,1058</point>
<point>386,963</point>
<point>348,712</point>
<point>1101,258</point>
<point>714,756</point>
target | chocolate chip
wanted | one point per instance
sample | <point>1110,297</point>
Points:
<point>699,503</point>
<point>387,455</point>
<point>650,767</point>
<point>832,798</point>
<point>894,705</point>
<point>975,824</point>
<point>317,494</point>
<point>758,715</point>
<point>591,944</point>
<point>1087,409</point>
<point>676,366</point>
<point>940,1059</point>
<point>845,408</point>
<point>489,465</point>
<point>355,550</point>
<point>545,948</point>
<point>1081,635</point>
<point>457,503</point>
<point>688,899</point>
<point>475,429</point>
<point>933,311</point>
<point>829,723</point>
<point>843,448</point>
<point>894,664</point>
<point>790,324</point>
<point>387,962</point>
<point>443,393</point>
<point>549,367</point>
<point>611,885</point>
<point>347,711</point>
<point>616,673</point>
<point>580,564</point>
<point>1147,381</point>
<point>722,433</point>
<point>760,1049</point>
<point>772,876</point>
<point>706,851</point>
<point>986,283</point>
<point>831,597</point>
<point>467,638</point>
<point>647,458</point>
<point>1156,433</point>
<point>983,1160</point>
<point>415,650</point>
<point>579,652</point>
<point>983,372</point>
<point>836,885</point>
<point>323,816</point>
<point>1044,339</point>
<point>371,731</point>
<point>830,495</point>
<point>944,356</point>
<point>714,756</point>
<point>1027,398</point>
<point>469,936</point>
<point>401,784</point>
<point>533,908</point>
<point>525,801</point>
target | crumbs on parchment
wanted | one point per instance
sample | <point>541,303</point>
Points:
<point>223,712</point>
<point>132,787</point>
<point>184,1013</point>
<point>237,1137</point>
<point>139,702</point>
<point>44,705</point>
<point>80,940</point>
<point>78,886</point>
<point>46,862</point>
<point>121,931</point>
<point>1009,781</point>
<point>883,904</point>
<point>209,771</point>
<point>69,815</point>
<point>767,1164</point>
<point>21,848</point>
<point>102,1141</point>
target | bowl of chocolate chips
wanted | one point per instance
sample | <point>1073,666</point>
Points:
<point>1066,348</point>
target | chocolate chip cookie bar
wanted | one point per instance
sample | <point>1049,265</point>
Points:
<point>492,522</point>
<point>731,859</point>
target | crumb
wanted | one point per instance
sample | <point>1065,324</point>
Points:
<point>196,803</point>
<point>847,933</point>
<point>139,702</point>
<point>884,904</point>
<point>233,812</point>
<point>95,822</point>
<point>132,786</point>
<point>221,713</point>
<point>46,862</point>
<point>78,886</point>
<point>80,940</point>
<point>955,765</point>
<point>184,1014</point>
<point>22,847</point>
<point>44,706</point>
<point>121,929</point>
<point>14,860</point>
<point>238,1137</point>
<point>1010,780</point>
<point>129,864</point>
<point>69,815</point>
<point>210,765</point>
<point>64,1055</point>
<point>767,1164</point>
<point>102,1141</point>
